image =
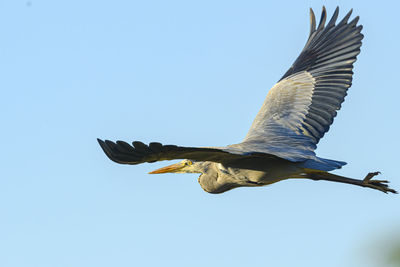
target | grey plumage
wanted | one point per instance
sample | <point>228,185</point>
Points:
<point>295,115</point>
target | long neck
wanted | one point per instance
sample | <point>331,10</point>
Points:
<point>199,167</point>
<point>212,180</point>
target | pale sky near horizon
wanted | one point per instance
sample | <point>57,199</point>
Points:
<point>187,73</point>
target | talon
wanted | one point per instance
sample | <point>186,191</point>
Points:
<point>370,175</point>
<point>380,181</point>
<point>381,185</point>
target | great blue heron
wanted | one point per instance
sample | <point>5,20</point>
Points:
<point>295,115</point>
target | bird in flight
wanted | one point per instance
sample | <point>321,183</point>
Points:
<point>295,115</point>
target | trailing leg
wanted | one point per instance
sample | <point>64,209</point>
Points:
<point>380,185</point>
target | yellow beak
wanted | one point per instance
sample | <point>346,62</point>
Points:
<point>170,168</point>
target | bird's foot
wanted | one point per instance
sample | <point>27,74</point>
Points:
<point>381,185</point>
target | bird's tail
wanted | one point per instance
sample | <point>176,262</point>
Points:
<point>323,164</point>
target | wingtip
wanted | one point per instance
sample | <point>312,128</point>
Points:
<point>101,143</point>
<point>350,12</point>
<point>333,19</point>
<point>346,17</point>
<point>322,20</point>
<point>105,148</point>
<point>312,21</point>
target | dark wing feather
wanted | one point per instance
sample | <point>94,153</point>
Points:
<point>300,108</point>
<point>332,50</point>
<point>123,153</point>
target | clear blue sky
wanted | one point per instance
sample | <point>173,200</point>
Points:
<point>190,74</point>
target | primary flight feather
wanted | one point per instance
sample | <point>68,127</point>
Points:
<point>295,115</point>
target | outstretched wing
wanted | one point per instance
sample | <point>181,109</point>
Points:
<point>300,108</point>
<point>123,153</point>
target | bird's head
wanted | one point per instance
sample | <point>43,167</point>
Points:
<point>185,166</point>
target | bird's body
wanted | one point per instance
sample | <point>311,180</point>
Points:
<point>295,115</point>
<point>218,177</point>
